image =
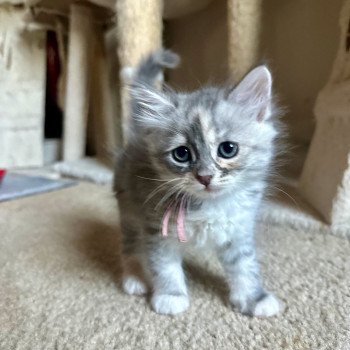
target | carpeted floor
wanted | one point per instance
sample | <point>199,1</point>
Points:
<point>59,271</point>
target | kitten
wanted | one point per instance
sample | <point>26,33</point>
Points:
<point>193,173</point>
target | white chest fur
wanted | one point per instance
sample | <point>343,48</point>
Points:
<point>218,221</point>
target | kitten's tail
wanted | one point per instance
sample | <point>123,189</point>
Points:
<point>150,70</point>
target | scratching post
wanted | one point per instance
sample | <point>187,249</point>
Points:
<point>101,101</point>
<point>77,89</point>
<point>139,25</point>
<point>22,90</point>
<point>244,28</point>
<point>140,32</point>
<point>325,180</point>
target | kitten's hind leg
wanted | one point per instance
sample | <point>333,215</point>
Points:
<point>246,291</point>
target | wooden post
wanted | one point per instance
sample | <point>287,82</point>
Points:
<point>244,35</point>
<point>77,89</point>
<point>104,121</point>
<point>139,25</point>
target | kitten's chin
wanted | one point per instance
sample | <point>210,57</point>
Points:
<point>207,192</point>
<point>211,190</point>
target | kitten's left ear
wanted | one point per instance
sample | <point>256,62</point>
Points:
<point>254,92</point>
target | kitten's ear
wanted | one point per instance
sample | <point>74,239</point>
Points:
<point>148,97</point>
<point>254,92</point>
<point>149,104</point>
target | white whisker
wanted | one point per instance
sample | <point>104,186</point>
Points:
<point>149,178</point>
<point>288,195</point>
<point>170,193</point>
<point>159,188</point>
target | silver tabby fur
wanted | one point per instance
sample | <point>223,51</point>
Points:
<point>222,216</point>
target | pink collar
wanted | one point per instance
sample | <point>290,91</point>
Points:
<point>180,221</point>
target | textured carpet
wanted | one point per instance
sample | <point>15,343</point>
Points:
<point>59,271</point>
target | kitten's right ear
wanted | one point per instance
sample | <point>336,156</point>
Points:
<point>254,92</point>
<point>150,106</point>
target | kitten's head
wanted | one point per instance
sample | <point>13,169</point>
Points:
<point>211,141</point>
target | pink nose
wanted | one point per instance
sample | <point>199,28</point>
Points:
<point>204,180</point>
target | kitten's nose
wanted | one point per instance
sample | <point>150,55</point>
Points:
<point>204,180</point>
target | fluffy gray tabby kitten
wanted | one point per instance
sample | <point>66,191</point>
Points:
<point>194,168</point>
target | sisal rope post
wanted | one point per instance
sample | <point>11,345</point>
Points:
<point>139,30</point>
<point>244,30</point>
<point>77,85</point>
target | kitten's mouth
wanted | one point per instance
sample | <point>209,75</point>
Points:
<point>211,189</point>
<point>180,219</point>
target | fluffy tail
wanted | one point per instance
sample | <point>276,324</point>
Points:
<point>150,70</point>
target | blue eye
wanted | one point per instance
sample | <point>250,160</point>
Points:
<point>182,154</point>
<point>228,149</point>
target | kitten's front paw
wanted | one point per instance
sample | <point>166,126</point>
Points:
<point>266,306</point>
<point>169,304</point>
<point>133,285</point>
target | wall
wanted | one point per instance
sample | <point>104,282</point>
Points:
<point>300,43</point>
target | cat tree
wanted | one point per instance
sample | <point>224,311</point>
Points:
<point>325,180</point>
<point>139,31</point>
<point>140,28</point>
<point>23,26</point>
<point>22,90</point>
<point>85,91</point>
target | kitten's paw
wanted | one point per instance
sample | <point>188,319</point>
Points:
<point>133,285</point>
<point>267,306</point>
<point>169,304</point>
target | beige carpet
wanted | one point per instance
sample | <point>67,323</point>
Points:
<point>59,271</point>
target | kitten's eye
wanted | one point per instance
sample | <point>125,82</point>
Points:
<point>228,149</point>
<point>182,154</point>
